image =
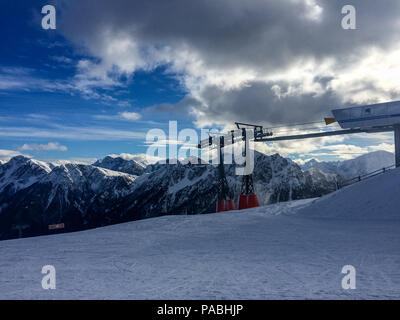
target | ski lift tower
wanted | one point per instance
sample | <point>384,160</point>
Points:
<point>224,201</point>
<point>375,118</point>
<point>248,197</point>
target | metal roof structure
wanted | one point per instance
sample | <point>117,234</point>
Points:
<point>370,116</point>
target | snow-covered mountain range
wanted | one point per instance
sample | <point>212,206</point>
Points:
<point>354,167</point>
<point>122,164</point>
<point>21,172</point>
<point>34,194</point>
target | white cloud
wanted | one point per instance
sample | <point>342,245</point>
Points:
<point>382,146</point>
<point>349,151</point>
<point>51,146</point>
<point>345,151</point>
<point>335,147</point>
<point>98,88</point>
<point>62,59</point>
<point>131,116</point>
<point>6,155</point>
<point>121,116</point>
<point>93,133</point>
<point>166,142</point>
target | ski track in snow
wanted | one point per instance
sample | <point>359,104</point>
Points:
<point>290,250</point>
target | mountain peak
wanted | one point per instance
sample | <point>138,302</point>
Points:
<point>360,165</point>
<point>122,163</point>
<point>21,172</point>
<point>19,159</point>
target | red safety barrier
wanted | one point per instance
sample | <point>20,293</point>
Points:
<point>242,201</point>
<point>225,205</point>
<point>252,201</point>
<point>220,205</point>
<point>248,201</point>
<point>230,204</point>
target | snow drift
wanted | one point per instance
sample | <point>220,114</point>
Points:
<point>374,198</point>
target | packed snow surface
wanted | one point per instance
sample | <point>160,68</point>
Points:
<point>373,199</point>
<point>291,250</point>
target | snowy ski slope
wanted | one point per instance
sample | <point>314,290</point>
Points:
<point>292,250</point>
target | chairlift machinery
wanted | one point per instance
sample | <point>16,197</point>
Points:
<point>382,117</point>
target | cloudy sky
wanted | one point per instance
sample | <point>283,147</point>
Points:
<point>112,70</point>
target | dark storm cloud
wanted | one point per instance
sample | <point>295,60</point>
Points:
<point>257,32</point>
<point>259,35</point>
<point>182,109</point>
<point>258,103</point>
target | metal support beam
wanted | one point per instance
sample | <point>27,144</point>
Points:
<point>397,144</point>
<point>267,137</point>
<point>223,188</point>
<point>326,134</point>
<point>247,182</point>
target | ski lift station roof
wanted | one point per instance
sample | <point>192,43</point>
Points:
<point>375,115</point>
